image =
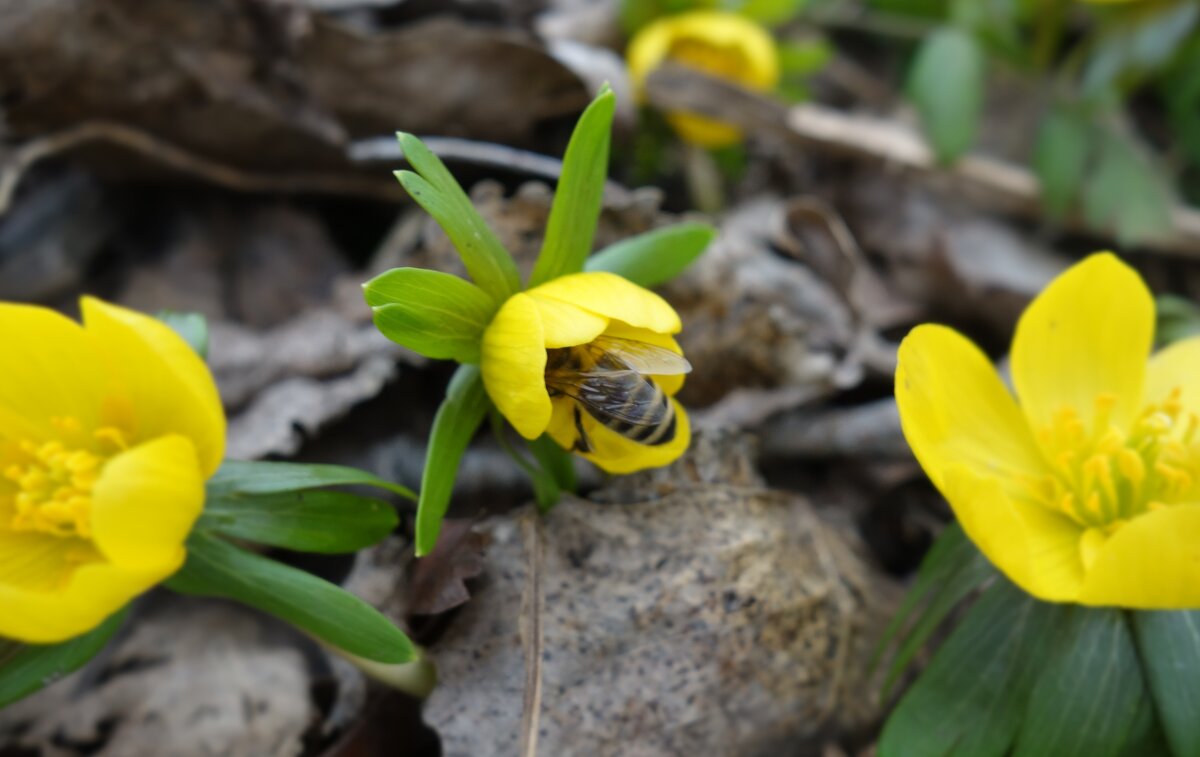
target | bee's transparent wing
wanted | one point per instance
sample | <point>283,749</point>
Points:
<point>608,393</point>
<point>643,357</point>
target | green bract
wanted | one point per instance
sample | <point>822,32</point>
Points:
<point>1019,676</point>
<point>442,316</point>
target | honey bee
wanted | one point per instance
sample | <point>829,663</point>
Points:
<point>609,380</point>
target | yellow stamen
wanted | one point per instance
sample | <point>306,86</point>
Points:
<point>54,485</point>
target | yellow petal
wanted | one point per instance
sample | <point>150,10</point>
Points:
<point>722,45</point>
<point>146,501</point>
<point>566,325</point>
<point>705,132</point>
<point>92,593</point>
<point>40,562</point>
<point>51,370</point>
<point>1088,333</point>
<point>513,364</point>
<point>1150,563</point>
<point>737,49</point>
<point>611,296</point>
<point>955,411</point>
<point>1037,548</point>
<point>1176,366</point>
<point>168,386</point>
<point>670,384</point>
<point>611,451</point>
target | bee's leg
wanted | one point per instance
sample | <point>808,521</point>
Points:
<point>582,444</point>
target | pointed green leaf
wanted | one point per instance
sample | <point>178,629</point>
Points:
<point>654,257</point>
<point>434,314</point>
<point>1169,645</point>
<point>556,461</point>
<point>193,327</point>
<point>1086,699</point>
<point>26,668</point>
<point>435,190</point>
<point>971,699</point>
<point>1060,157</point>
<point>309,521</point>
<point>216,568</point>
<point>973,572</point>
<point>576,209</point>
<point>946,84</point>
<point>455,423</point>
<point>266,477</point>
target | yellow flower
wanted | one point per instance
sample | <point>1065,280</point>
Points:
<point>723,45</point>
<point>567,312</point>
<point>107,433</point>
<point>1086,488</point>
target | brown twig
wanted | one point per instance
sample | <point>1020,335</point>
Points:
<point>26,155</point>
<point>987,181</point>
<point>531,633</point>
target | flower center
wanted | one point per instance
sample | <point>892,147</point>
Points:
<point>54,484</point>
<point>1102,476</point>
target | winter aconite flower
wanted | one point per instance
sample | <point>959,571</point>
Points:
<point>1085,487</point>
<point>108,431</point>
<point>723,45</point>
<point>584,310</point>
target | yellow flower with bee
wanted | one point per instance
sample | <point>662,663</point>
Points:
<point>1086,487</point>
<point>722,45</point>
<point>590,359</point>
<point>108,431</point>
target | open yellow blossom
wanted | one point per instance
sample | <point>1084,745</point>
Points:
<point>1086,487</point>
<point>723,45</point>
<point>567,312</point>
<point>108,431</point>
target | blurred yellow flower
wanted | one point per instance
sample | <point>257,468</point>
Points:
<point>723,45</point>
<point>107,433</point>
<point>582,310</point>
<point>1086,488</point>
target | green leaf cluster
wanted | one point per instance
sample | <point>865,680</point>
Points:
<point>442,316</point>
<point>290,505</point>
<point>1018,676</point>
<point>1087,157</point>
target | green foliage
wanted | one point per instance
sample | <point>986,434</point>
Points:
<point>435,190</point>
<point>952,571</point>
<point>1178,318</point>
<point>27,668</point>
<point>1022,677</point>
<point>241,477</point>
<point>576,209</point>
<point>765,12</point>
<point>193,327</point>
<point>946,84</point>
<point>1085,701</point>
<point>1140,43</point>
<point>1169,645</point>
<point>1126,193</point>
<point>216,568</point>
<point>654,257</point>
<point>308,521</point>
<point>557,463</point>
<point>1060,158</point>
<point>432,313</point>
<point>455,423</point>
<point>971,699</point>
